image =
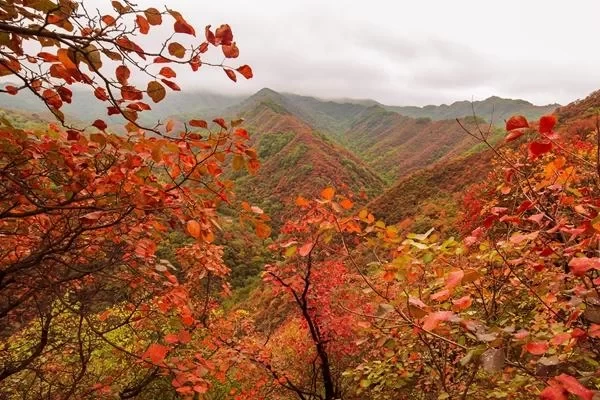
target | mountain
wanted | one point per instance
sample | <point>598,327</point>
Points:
<point>296,159</point>
<point>430,197</point>
<point>493,108</point>
<point>393,145</point>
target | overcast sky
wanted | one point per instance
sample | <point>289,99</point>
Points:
<point>410,52</point>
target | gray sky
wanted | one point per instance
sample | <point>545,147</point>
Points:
<point>408,52</point>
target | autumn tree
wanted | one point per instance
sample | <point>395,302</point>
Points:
<point>88,308</point>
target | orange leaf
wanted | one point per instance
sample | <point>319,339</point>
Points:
<point>302,202</point>
<point>170,125</point>
<point>328,193</point>
<point>263,231</point>
<point>193,228</point>
<point>346,204</point>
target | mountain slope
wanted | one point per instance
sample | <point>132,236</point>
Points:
<point>297,160</point>
<point>395,145</point>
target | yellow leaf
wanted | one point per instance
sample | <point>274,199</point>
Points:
<point>263,230</point>
<point>156,91</point>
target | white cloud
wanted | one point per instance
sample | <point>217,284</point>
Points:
<point>408,52</point>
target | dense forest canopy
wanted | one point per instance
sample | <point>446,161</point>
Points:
<point>291,248</point>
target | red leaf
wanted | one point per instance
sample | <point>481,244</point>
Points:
<point>171,84</point>
<point>245,70</point>
<point>220,122</point>
<point>171,338</point>
<point>47,57</point>
<point>143,24</point>
<point>52,98</point>
<point>573,386</point>
<point>156,353</point>
<point>454,278</point>
<point>73,135</point>
<point>433,320</point>
<point>514,134</point>
<point>65,94</point>
<point>553,393</point>
<point>195,63</point>
<point>122,73</point>
<point>108,20</point>
<point>210,37</point>
<point>167,72</point>
<point>463,303</point>
<point>547,123</point>
<point>230,51</point>
<point>181,26</point>
<point>11,89</point>
<point>581,265</point>
<point>305,249</point>
<point>516,122</point>
<point>223,35</point>
<point>242,133</point>
<point>101,94</point>
<point>198,123</point>
<point>594,331</point>
<point>440,296</point>
<point>130,93</point>
<point>161,60</point>
<point>539,147</point>
<point>230,74</point>
<point>537,348</point>
<point>99,124</point>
